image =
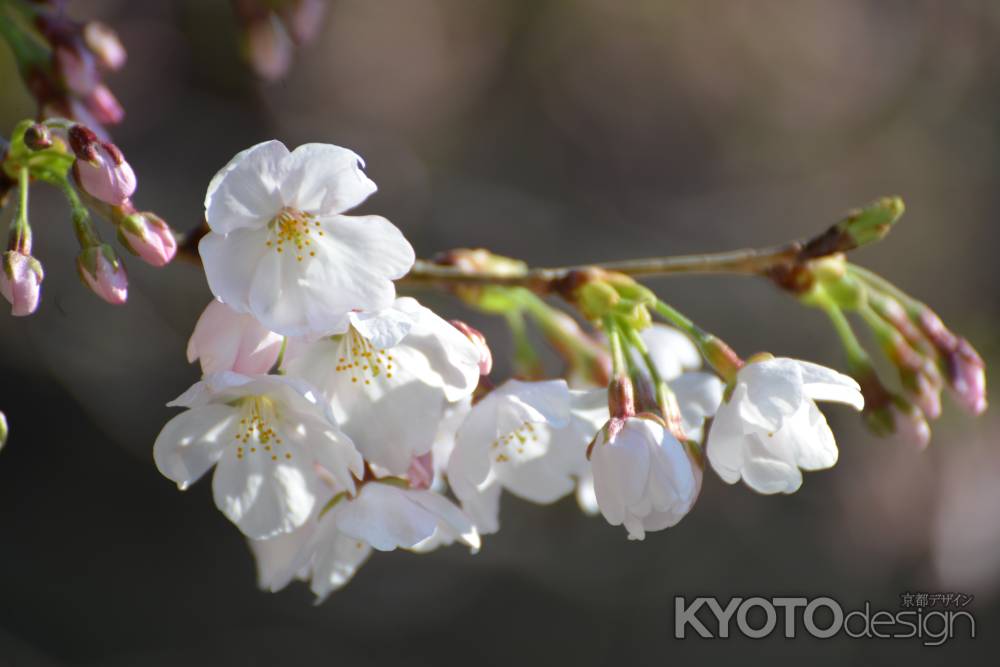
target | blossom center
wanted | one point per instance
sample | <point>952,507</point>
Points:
<point>514,441</point>
<point>255,434</point>
<point>362,360</point>
<point>293,230</point>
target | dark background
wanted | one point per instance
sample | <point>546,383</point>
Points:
<point>558,132</point>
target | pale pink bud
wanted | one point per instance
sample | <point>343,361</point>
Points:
<point>77,69</point>
<point>224,340</point>
<point>149,237</point>
<point>104,106</point>
<point>100,168</point>
<point>479,340</point>
<point>967,377</point>
<point>910,426</point>
<point>21,282</point>
<point>104,43</point>
<point>304,18</point>
<point>268,47</point>
<point>421,472</point>
<point>102,271</point>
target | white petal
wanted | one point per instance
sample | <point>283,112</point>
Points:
<point>452,520</point>
<point>324,179</point>
<point>231,263</point>
<point>384,328</point>
<point>264,498</point>
<point>192,442</point>
<point>211,388</point>
<point>544,402</point>
<point>699,396</point>
<point>245,193</point>
<point>444,356</point>
<point>726,438</point>
<point>336,558</point>
<point>386,518</point>
<point>769,467</point>
<point>621,468</point>
<point>774,392</point>
<point>672,351</point>
<point>585,496</point>
<point>825,384</point>
<point>815,448</point>
<point>278,557</point>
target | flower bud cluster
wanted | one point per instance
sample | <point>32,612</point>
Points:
<point>64,71</point>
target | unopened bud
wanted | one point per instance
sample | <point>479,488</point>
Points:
<point>480,260</point>
<point>923,390</point>
<point>149,237</point>
<point>104,106</point>
<point>76,68</point>
<point>268,47</point>
<point>100,168</point>
<point>102,271</point>
<point>103,42</point>
<point>37,137</point>
<point>967,377</point>
<point>21,282</point>
<point>303,18</point>
<point>479,340</point>
<point>421,472</point>
<point>964,368</point>
<point>860,227</point>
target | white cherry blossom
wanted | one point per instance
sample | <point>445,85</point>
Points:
<point>514,424</point>
<point>770,427</point>
<point>280,247</point>
<point>644,477</point>
<point>390,377</point>
<point>271,443</point>
<point>333,544</point>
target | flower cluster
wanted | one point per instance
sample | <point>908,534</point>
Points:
<point>341,418</point>
<point>63,153</point>
<point>62,61</point>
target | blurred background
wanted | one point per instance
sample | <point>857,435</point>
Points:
<point>558,132</point>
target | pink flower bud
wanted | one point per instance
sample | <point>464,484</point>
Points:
<point>967,377</point>
<point>149,237</point>
<point>104,106</point>
<point>910,426</point>
<point>224,340</point>
<point>421,472</point>
<point>304,18</point>
<point>77,69</point>
<point>100,168</point>
<point>21,282</point>
<point>268,47</point>
<point>479,340</point>
<point>102,271</point>
<point>104,43</point>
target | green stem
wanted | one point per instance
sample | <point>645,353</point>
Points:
<point>20,236</point>
<point>82,225</point>
<point>618,364</point>
<point>525,357</point>
<point>663,393</point>
<point>858,359</point>
<point>873,280</point>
